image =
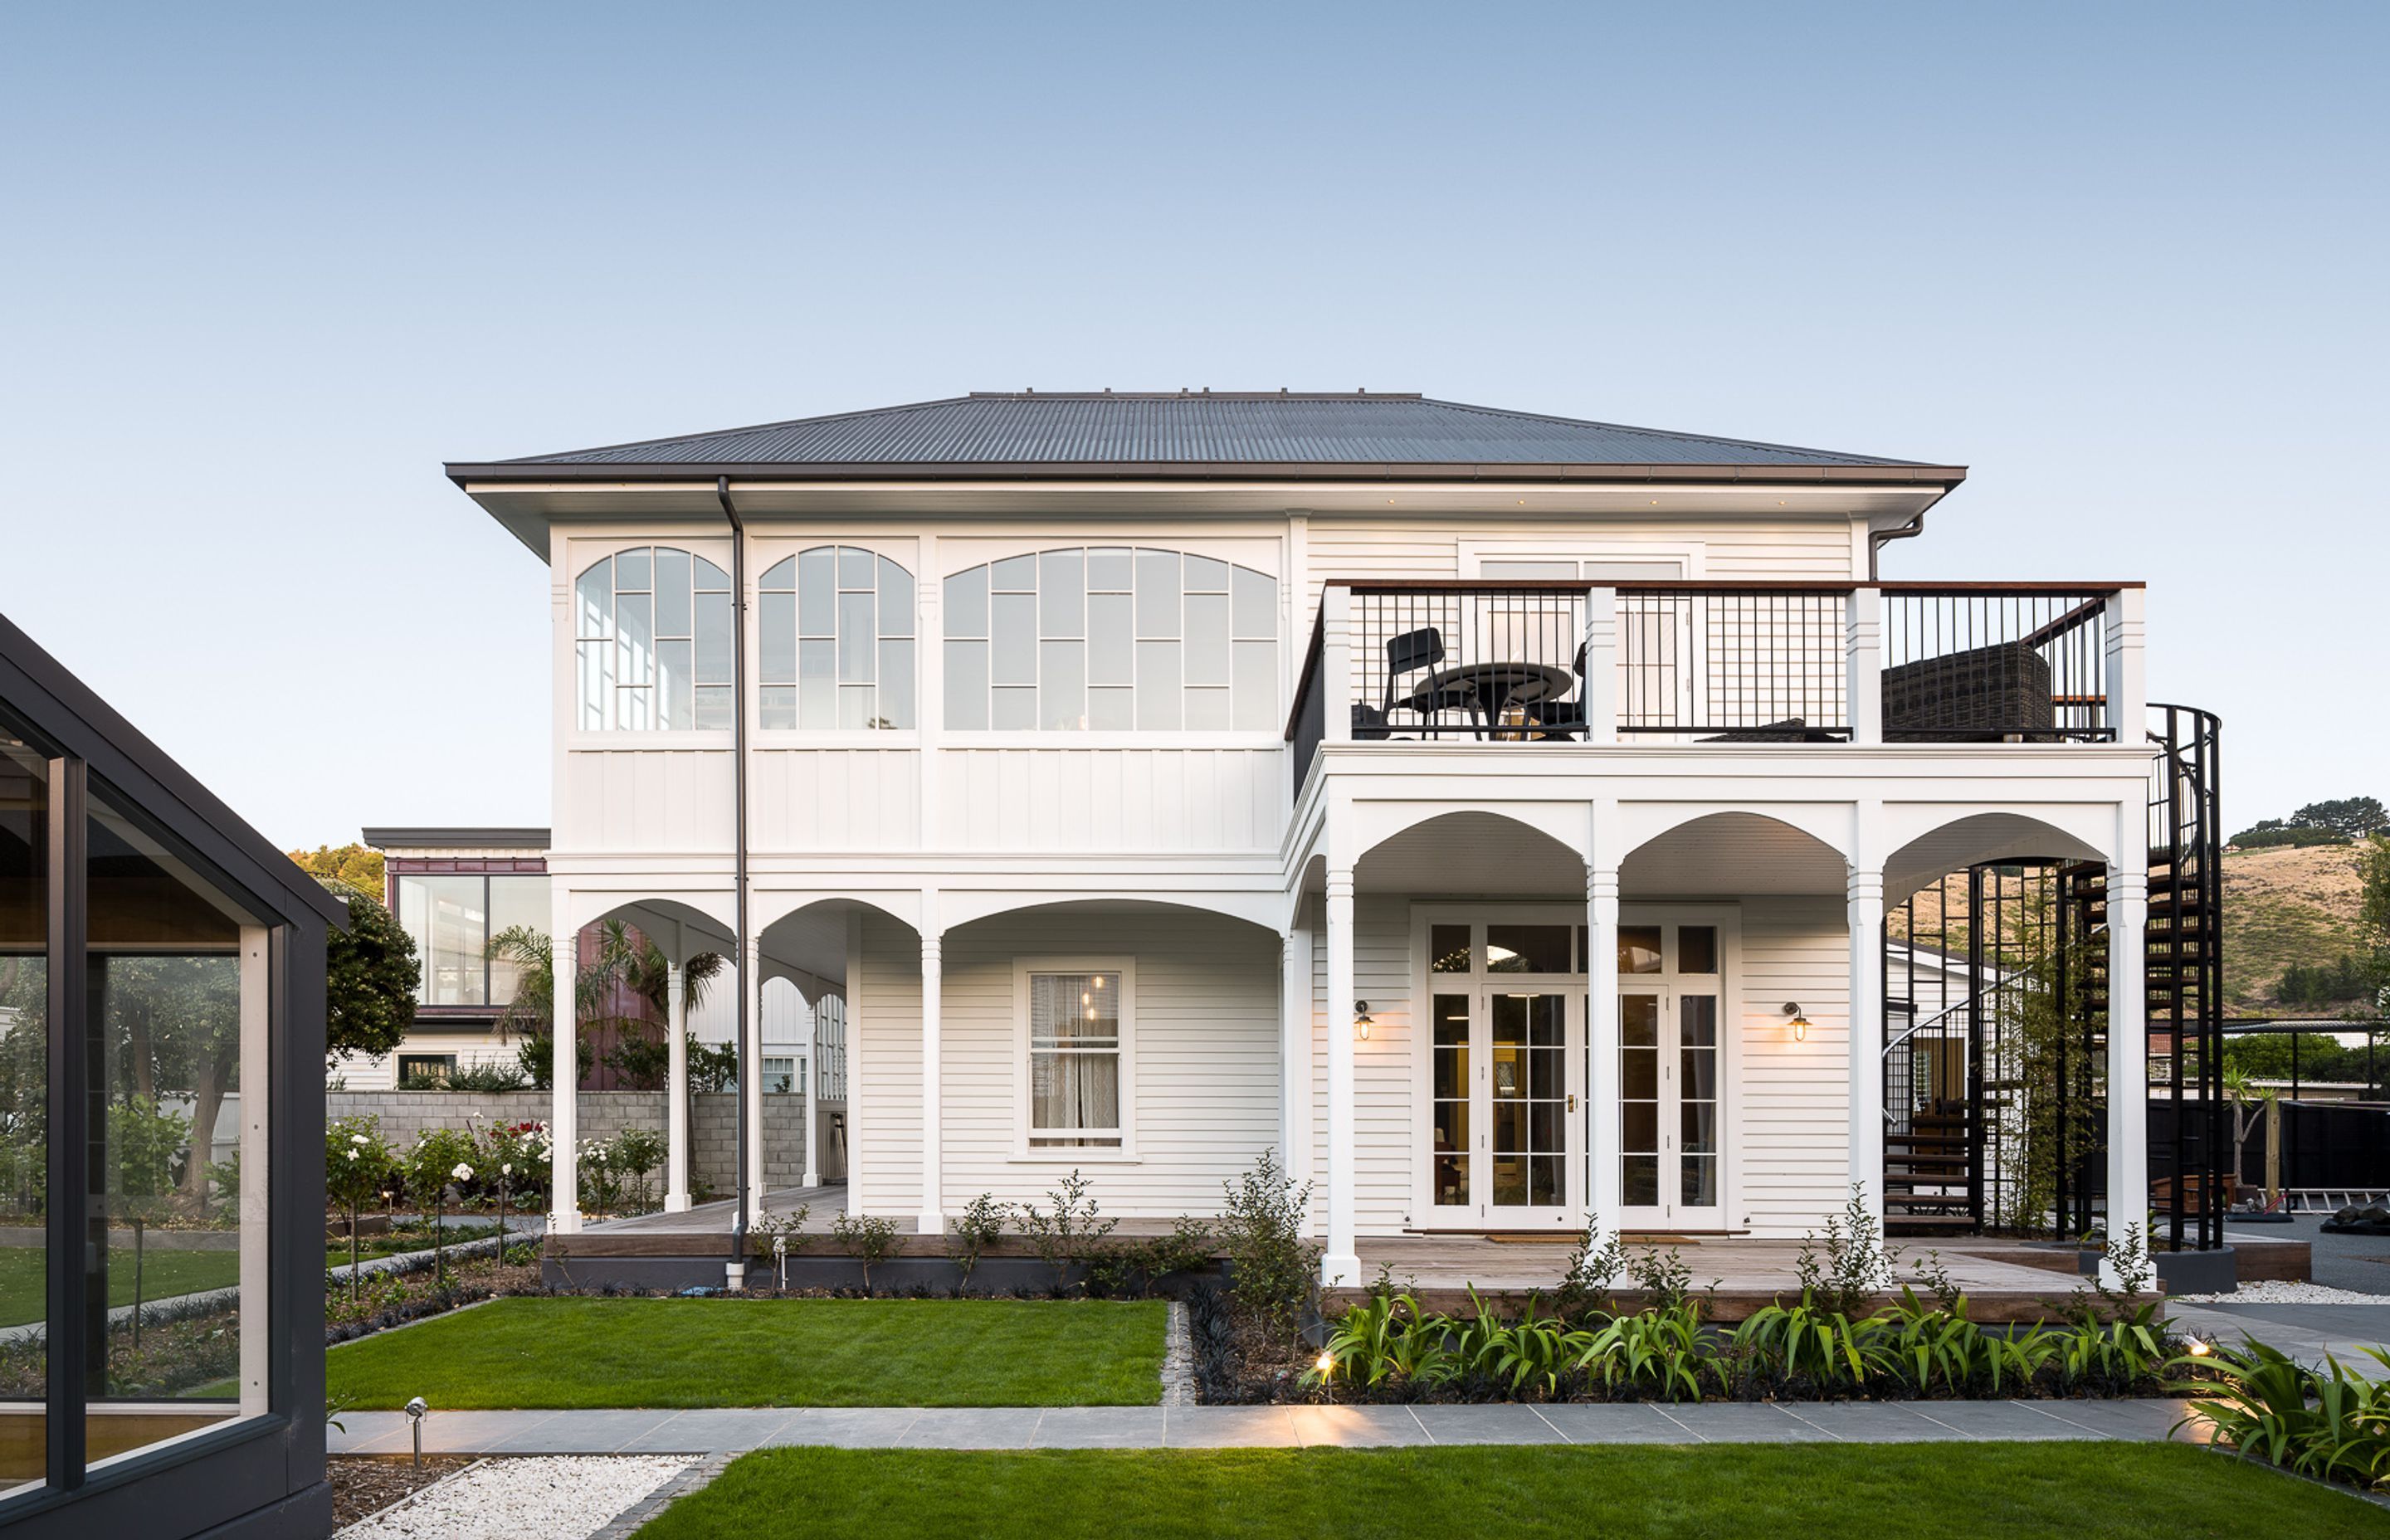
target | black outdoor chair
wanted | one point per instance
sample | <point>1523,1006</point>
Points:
<point>1408,653</point>
<point>1563,719</point>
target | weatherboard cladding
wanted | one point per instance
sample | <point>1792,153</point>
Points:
<point>1195,428</point>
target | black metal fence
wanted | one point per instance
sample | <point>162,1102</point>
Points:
<point>1991,662</point>
<point>1468,661</point>
<point>1735,662</point>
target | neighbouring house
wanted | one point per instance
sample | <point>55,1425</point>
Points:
<point>454,890</point>
<point>161,964</point>
<point>1495,814</point>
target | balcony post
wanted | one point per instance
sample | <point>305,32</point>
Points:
<point>564,1083</point>
<point>1864,911</point>
<point>1336,663</point>
<point>1863,663</point>
<point>2129,1047</point>
<point>2127,689</point>
<point>1340,1265</point>
<point>1604,1125</point>
<point>675,1080</point>
<point>1599,688</point>
<point>1295,1050</point>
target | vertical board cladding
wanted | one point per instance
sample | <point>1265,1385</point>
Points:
<point>1204,1098</point>
<point>815,800</point>
<point>645,800</point>
<point>1792,1099</point>
<point>1069,799</point>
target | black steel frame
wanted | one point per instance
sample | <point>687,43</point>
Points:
<point>259,1476</point>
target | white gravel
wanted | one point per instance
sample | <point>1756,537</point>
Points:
<point>539,1497</point>
<point>2272,1291</point>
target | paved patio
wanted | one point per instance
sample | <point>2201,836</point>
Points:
<point>723,1431</point>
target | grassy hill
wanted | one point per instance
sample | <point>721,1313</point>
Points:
<point>2281,907</point>
<point>2285,906</point>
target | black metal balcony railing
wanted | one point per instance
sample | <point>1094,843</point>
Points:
<point>1716,663</point>
<point>1990,663</point>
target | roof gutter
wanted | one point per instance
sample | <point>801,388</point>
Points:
<point>744,963</point>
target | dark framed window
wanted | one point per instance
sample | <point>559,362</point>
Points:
<point>413,1064</point>
<point>454,917</point>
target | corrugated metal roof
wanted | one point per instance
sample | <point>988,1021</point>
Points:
<point>1035,428</point>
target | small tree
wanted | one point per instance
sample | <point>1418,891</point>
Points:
<point>1068,1232</point>
<point>872,1239</point>
<point>1272,1268</point>
<point>636,1152</point>
<point>441,1159</point>
<point>979,1226</point>
<point>356,1166</point>
<point>369,977</point>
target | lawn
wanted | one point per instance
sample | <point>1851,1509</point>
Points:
<point>564,1353</point>
<point>164,1274</point>
<point>2082,1491</point>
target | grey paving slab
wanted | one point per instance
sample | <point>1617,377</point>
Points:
<point>1228,1428</point>
<point>710,1430</point>
<point>590,1433</point>
<point>1100,1428</point>
<point>1738,1422</point>
<point>2003,1421</point>
<point>1871,1422</point>
<point>1355,1426</point>
<point>1627,1422</point>
<point>976,1428</point>
<point>1494,1424</point>
<point>847,1427</point>
<point>2148,1420</point>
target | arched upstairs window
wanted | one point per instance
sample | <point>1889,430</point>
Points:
<point>653,628</point>
<point>835,638</point>
<point>1112,638</point>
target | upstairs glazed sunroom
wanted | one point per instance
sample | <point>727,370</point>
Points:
<point>1205,586</point>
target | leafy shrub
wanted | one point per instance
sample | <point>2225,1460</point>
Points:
<point>2331,1425</point>
<point>1781,1344</point>
<point>148,1140</point>
<point>1854,1265</point>
<point>1594,1265</point>
<point>872,1239</point>
<point>1068,1232</point>
<point>1386,1336</point>
<point>1272,1269</point>
<point>979,1226</point>
<point>1656,1351</point>
<point>1128,1269</point>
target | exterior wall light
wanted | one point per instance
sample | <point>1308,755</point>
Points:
<point>1800,1020</point>
<point>1361,1022</point>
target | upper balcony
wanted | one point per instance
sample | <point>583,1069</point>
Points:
<point>1530,665</point>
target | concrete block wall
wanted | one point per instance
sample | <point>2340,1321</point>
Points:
<point>714,1124</point>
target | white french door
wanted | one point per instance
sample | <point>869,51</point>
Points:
<point>1670,1078</point>
<point>1505,1080</point>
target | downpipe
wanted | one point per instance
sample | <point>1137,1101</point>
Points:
<point>734,1272</point>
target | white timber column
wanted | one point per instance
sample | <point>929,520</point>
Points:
<point>1340,1266</point>
<point>933,1217</point>
<point>812,1089</point>
<point>1599,690</point>
<point>751,1075</point>
<point>2128,705</point>
<point>2128,1071</point>
<point>1864,904</point>
<point>1863,663</point>
<point>677,1082</point>
<point>564,1076</point>
<point>1294,1051</point>
<point>1335,668</point>
<point>1604,1127</point>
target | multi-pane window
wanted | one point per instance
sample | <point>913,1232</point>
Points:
<point>1074,1061</point>
<point>453,918</point>
<point>834,628</point>
<point>653,627</point>
<point>1112,638</point>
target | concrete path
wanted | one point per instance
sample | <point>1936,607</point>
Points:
<point>2304,1332</point>
<point>733,1430</point>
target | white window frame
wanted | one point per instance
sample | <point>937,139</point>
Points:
<point>1023,1150</point>
<point>655,735</point>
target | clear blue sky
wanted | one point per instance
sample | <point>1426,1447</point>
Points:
<point>264,271</point>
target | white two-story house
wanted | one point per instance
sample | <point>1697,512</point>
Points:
<point>1493,813</point>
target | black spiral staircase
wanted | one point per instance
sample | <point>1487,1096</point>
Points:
<point>1958,1120</point>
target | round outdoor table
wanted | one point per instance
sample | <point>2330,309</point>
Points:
<point>1486,691</point>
